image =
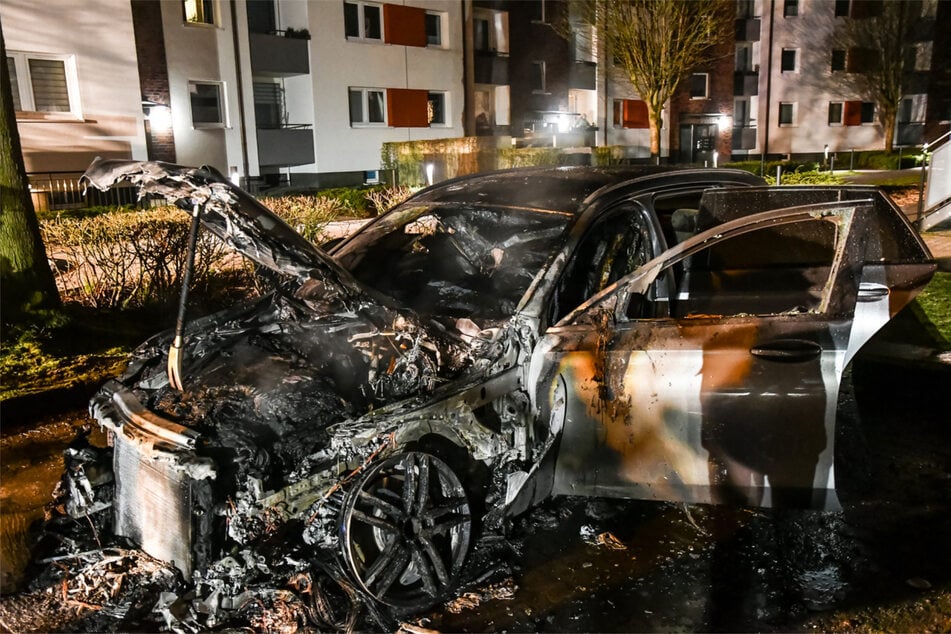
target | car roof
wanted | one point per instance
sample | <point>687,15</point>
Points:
<point>567,189</point>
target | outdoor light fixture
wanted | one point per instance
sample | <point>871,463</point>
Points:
<point>430,170</point>
<point>158,115</point>
<point>723,122</point>
<point>716,155</point>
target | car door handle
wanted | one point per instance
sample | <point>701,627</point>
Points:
<point>787,350</point>
<point>869,292</point>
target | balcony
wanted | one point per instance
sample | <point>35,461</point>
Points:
<point>583,75</point>
<point>909,133</point>
<point>278,56</point>
<point>745,83</point>
<point>747,30</point>
<point>744,138</point>
<point>281,147</point>
<point>491,68</point>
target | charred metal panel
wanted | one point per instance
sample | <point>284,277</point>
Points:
<point>153,505</point>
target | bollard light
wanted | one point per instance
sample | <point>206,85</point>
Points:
<point>716,155</point>
<point>430,170</point>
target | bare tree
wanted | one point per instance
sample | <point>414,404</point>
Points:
<point>25,276</point>
<point>657,42</point>
<point>882,54</point>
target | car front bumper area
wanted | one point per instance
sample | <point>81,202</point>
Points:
<point>163,497</point>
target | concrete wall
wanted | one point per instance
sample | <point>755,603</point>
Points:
<point>98,36</point>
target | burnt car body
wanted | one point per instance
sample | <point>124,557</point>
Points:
<point>494,340</point>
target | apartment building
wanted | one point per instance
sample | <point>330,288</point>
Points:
<point>266,91</point>
<point>75,82</point>
<point>798,81</point>
<point>277,91</point>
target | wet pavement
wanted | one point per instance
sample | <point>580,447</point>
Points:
<point>614,565</point>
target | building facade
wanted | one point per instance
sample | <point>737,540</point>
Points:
<point>271,92</point>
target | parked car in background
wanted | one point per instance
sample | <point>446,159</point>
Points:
<point>649,333</point>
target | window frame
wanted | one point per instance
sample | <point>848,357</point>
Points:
<point>841,118</point>
<point>706,86</point>
<point>361,35</point>
<point>790,8</point>
<point>539,76</point>
<point>867,107</point>
<point>219,86</point>
<point>794,52</point>
<point>26,94</point>
<point>365,105</point>
<point>444,95</point>
<point>202,10</point>
<point>792,114</point>
<point>440,18</point>
<point>843,62</point>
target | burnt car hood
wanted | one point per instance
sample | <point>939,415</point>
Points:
<point>233,216</point>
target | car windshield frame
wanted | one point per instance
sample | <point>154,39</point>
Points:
<point>454,259</point>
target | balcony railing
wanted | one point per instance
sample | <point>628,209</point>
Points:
<point>491,68</point>
<point>745,83</point>
<point>744,138</point>
<point>61,190</point>
<point>284,146</point>
<point>747,30</point>
<point>278,56</point>
<point>583,75</point>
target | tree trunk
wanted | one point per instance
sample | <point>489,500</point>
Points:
<point>888,126</point>
<point>25,275</point>
<point>656,119</point>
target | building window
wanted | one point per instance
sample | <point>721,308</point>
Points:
<point>540,11</point>
<point>43,83</point>
<point>367,106</point>
<point>363,20</point>
<point>868,112</point>
<point>841,8</point>
<point>922,61</point>
<point>790,8</point>
<point>789,59</point>
<point>199,11</point>
<point>436,108</point>
<point>787,113</point>
<point>699,85</point>
<point>207,104</point>
<point>838,59</point>
<point>434,29</point>
<point>835,113</point>
<point>538,77</point>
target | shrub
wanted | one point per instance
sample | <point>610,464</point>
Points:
<point>385,198</point>
<point>806,177</point>
<point>124,260</point>
<point>528,157</point>
<point>307,215</point>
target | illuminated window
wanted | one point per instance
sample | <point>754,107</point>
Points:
<point>199,11</point>
<point>436,108</point>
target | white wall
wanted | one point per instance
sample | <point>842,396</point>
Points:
<point>337,64</point>
<point>98,34</point>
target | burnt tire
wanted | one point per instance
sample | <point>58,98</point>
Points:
<point>405,530</point>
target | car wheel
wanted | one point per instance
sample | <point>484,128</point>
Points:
<point>405,530</point>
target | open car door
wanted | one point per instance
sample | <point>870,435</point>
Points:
<point>711,374</point>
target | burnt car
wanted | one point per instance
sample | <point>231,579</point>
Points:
<point>655,333</point>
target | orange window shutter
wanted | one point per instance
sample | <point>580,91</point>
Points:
<point>852,113</point>
<point>403,25</point>
<point>635,114</point>
<point>407,107</point>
